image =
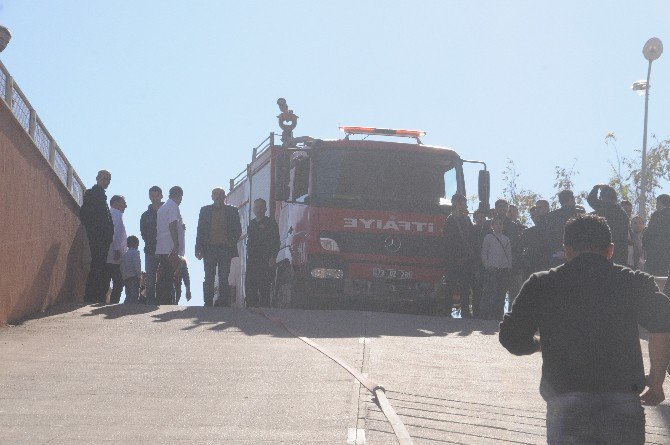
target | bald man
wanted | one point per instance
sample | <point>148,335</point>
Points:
<point>219,230</point>
<point>97,219</point>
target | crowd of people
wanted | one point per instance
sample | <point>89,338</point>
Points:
<point>490,257</point>
<point>115,257</point>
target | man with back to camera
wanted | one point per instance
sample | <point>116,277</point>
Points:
<point>262,248</point>
<point>656,238</point>
<point>587,313</point>
<point>219,230</point>
<point>607,206</point>
<point>97,219</point>
<point>148,232</point>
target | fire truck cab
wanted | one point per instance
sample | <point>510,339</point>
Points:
<point>358,219</point>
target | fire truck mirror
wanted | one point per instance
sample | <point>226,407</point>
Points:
<point>282,189</point>
<point>484,185</point>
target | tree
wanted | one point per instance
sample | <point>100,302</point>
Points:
<point>626,176</point>
<point>524,199</point>
<point>563,180</point>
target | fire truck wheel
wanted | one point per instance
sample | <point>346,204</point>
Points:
<point>289,292</point>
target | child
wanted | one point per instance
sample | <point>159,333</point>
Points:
<point>131,270</point>
<point>497,260</point>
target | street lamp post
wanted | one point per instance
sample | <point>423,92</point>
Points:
<point>652,50</point>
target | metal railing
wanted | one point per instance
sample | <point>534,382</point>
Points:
<point>26,116</point>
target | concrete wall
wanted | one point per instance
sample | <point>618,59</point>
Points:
<point>42,243</point>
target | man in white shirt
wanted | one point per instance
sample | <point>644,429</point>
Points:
<point>497,261</point>
<point>169,243</point>
<point>118,247</point>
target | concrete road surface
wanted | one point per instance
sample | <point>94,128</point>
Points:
<point>178,375</point>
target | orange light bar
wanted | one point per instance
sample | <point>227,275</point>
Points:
<point>383,131</point>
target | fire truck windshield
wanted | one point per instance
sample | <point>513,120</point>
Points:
<point>384,179</point>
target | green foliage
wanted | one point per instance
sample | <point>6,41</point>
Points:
<point>524,199</point>
<point>626,174</point>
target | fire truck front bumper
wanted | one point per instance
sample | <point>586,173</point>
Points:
<point>374,279</point>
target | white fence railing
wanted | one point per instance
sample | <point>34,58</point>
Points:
<point>25,114</point>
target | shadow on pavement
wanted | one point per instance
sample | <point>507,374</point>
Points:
<point>114,311</point>
<point>308,323</point>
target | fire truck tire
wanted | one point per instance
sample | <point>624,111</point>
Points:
<point>289,291</point>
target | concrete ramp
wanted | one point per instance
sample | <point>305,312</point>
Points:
<point>177,375</point>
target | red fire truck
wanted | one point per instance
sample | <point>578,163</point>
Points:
<point>359,219</point>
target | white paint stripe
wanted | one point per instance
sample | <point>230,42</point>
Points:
<point>364,340</point>
<point>356,437</point>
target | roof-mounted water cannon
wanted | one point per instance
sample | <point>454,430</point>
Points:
<point>416,134</point>
<point>287,122</point>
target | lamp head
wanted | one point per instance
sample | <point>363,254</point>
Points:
<point>5,37</point>
<point>653,49</point>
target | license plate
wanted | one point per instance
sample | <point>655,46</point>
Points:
<point>396,274</point>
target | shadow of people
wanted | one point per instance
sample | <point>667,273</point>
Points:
<point>221,319</point>
<point>114,311</point>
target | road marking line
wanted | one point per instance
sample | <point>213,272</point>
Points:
<point>364,340</point>
<point>356,437</point>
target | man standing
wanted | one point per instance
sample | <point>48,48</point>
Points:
<point>587,312</point>
<point>116,249</point>
<point>262,248</point>
<point>480,229</point>
<point>512,229</point>
<point>656,239</point>
<point>148,232</point>
<point>534,245</point>
<point>219,230</point>
<point>459,256</point>
<point>608,207</point>
<point>97,220</point>
<point>168,246</point>
<point>497,259</point>
<point>556,221</point>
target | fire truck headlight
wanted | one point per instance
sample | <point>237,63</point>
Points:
<point>329,244</point>
<point>323,273</point>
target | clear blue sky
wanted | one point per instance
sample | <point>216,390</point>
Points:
<point>174,92</point>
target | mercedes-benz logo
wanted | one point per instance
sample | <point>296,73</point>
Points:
<point>392,244</point>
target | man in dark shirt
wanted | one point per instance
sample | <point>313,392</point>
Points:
<point>262,248</point>
<point>656,238</point>
<point>97,220</point>
<point>617,219</point>
<point>512,229</point>
<point>587,313</point>
<point>556,220</point>
<point>460,260</point>
<point>219,230</point>
<point>534,244</point>
<point>148,231</point>
<point>480,229</point>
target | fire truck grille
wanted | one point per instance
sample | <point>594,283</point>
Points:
<point>388,244</point>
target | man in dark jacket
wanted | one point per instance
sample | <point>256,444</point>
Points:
<point>460,258</point>
<point>97,220</point>
<point>262,248</point>
<point>656,238</point>
<point>556,221</point>
<point>587,313</point>
<point>607,206</point>
<point>512,229</point>
<point>219,230</point>
<point>534,244</point>
<point>148,231</point>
